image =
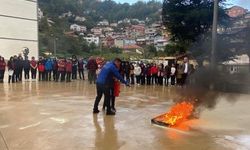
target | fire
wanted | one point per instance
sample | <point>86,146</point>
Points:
<point>177,114</point>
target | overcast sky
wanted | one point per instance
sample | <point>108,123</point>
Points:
<point>243,3</point>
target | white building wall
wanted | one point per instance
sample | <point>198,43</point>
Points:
<point>18,27</point>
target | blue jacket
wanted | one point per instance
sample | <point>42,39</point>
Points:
<point>107,73</point>
<point>49,65</point>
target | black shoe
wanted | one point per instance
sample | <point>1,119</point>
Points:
<point>110,113</point>
<point>96,111</point>
<point>113,109</point>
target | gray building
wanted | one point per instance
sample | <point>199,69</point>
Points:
<point>18,27</point>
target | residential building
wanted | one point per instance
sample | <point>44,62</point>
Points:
<point>239,64</point>
<point>78,28</point>
<point>107,29</point>
<point>103,23</point>
<point>141,41</point>
<point>92,39</point>
<point>18,27</point>
<point>96,31</point>
<point>132,48</point>
<point>150,32</point>
<point>109,42</point>
<point>126,20</point>
<point>67,14</point>
<point>135,31</point>
<point>80,19</point>
<point>236,11</point>
<point>160,43</point>
<point>113,24</point>
<point>119,42</point>
<point>129,41</point>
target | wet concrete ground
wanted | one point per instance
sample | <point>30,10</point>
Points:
<point>58,116</point>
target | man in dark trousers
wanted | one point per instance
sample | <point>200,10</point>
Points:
<point>92,67</point>
<point>19,68</point>
<point>187,70</point>
<point>105,82</point>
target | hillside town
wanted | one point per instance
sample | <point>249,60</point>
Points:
<point>132,35</point>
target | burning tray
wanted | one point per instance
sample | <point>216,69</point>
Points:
<point>159,123</point>
<point>177,114</point>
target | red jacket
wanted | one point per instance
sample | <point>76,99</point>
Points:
<point>41,67</point>
<point>61,65</point>
<point>92,65</point>
<point>33,63</point>
<point>2,65</point>
<point>117,88</point>
<point>68,67</point>
<point>154,70</point>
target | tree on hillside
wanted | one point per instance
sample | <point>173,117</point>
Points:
<point>187,20</point>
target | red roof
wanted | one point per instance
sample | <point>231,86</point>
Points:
<point>128,47</point>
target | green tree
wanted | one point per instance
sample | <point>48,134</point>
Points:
<point>187,20</point>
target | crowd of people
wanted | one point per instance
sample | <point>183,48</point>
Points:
<point>157,74</point>
<point>46,69</point>
<point>62,69</point>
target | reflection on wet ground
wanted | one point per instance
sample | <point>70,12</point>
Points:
<point>56,116</point>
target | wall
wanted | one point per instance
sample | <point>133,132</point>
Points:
<point>18,27</point>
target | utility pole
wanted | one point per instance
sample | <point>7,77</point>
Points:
<point>214,33</point>
<point>55,39</point>
<point>54,43</point>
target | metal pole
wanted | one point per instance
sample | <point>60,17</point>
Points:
<point>214,33</point>
<point>55,46</point>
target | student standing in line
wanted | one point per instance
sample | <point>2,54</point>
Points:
<point>33,66</point>
<point>132,74</point>
<point>61,70</point>
<point>68,70</point>
<point>179,73</point>
<point>19,68</point>
<point>55,69</point>
<point>26,67</point>
<point>154,72</point>
<point>81,69</point>
<point>11,68</point>
<point>127,71</point>
<point>167,72</point>
<point>2,69</point>
<point>149,74</point>
<point>137,73</point>
<point>92,67</point>
<point>41,69</point>
<point>160,74</point>
<point>173,74</point>
<point>143,74</point>
<point>74,67</point>
<point>48,69</point>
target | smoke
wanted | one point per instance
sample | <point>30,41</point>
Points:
<point>207,84</point>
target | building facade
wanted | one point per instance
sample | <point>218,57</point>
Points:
<point>236,11</point>
<point>18,27</point>
<point>92,39</point>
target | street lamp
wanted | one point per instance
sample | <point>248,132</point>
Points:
<point>54,43</point>
<point>214,33</point>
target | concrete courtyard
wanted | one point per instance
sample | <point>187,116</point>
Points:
<point>58,116</point>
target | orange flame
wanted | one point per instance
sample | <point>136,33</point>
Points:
<point>177,114</point>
